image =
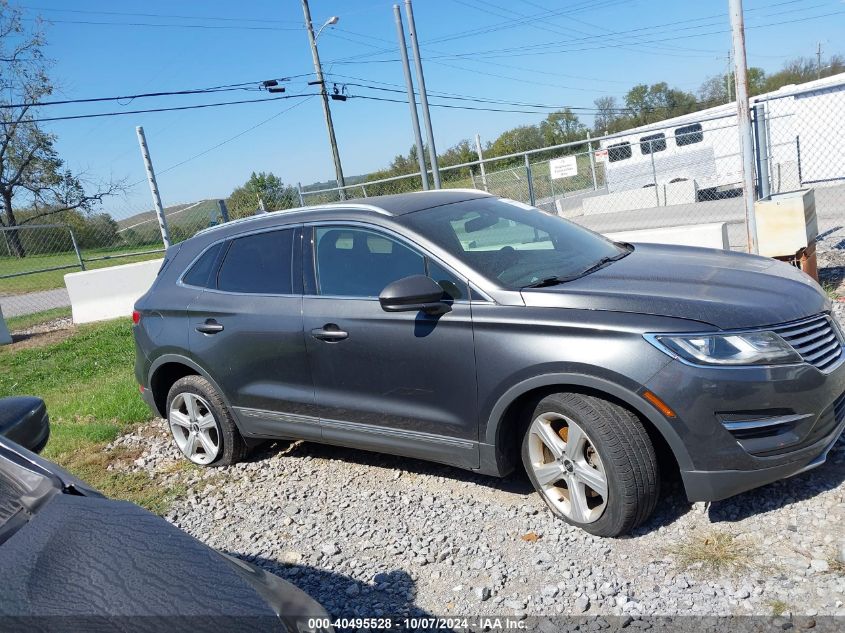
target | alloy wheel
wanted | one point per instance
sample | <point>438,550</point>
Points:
<point>194,428</point>
<point>567,467</point>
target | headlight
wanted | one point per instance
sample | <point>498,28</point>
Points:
<point>742,348</point>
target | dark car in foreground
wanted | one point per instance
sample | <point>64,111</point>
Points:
<point>475,331</point>
<point>73,560</point>
<point>24,420</point>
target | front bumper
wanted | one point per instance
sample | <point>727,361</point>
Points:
<point>721,463</point>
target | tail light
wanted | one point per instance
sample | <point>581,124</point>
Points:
<point>136,317</point>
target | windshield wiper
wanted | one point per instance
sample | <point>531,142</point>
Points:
<point>556,279</point>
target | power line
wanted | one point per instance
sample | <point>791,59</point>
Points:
<point>159,15</point>
<point>488,54</point>
<point>190,107</point>
<point>246,85</point>
<point>165,25</point>
<point>228,140</point>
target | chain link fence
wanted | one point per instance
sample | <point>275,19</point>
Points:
<point>34,258</point>
<point>678,172</point>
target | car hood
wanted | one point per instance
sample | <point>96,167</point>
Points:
<point>727,290</point>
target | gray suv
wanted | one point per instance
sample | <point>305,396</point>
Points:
<point>476,331</point>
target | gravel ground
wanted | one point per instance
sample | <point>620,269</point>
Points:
<point>369,534</point>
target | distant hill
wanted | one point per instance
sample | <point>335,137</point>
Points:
<point>185,215</point>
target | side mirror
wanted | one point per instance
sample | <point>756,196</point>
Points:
<point>23,419</point>
<point>413,294</point>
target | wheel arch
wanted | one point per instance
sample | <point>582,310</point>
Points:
<point>169,368</point>
<point>504,425</point>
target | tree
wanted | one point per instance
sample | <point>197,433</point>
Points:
<point>32,175</point>
<point>562,126</point>
<point>518,139</point>
<point>261,188</point>
<point>803,69</point>
<point>720,89</point>
<point>607,118</point>
<point>647,104</point>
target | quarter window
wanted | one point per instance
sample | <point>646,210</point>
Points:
<point>618,151</point>
<point>453,287</point>
<point>360,263</point>
<point>200,274</point>
<point>653,143</point>
<point>258,264</point>
<point>689,134</point>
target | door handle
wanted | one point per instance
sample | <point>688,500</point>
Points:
<point>329,333</point>
<point>210,327</point>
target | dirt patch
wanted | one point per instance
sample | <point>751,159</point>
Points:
<point>39,339</point>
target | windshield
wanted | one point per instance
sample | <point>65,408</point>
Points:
<point>513,243</point>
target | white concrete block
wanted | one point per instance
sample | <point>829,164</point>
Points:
<point>108,293</point>
<point>671,193</point>
<point>713,235</point>
<point>5,337</point>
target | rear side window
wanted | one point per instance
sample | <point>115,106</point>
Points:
<point>258,264</point>
<point>653,143</point>
<point>200,274</point>
<point>689,134</point>
<point>619,151</point>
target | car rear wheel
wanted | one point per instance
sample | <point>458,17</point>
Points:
<point>592,463</point>
<point>201,424</point>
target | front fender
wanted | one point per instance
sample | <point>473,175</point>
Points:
<point>494,459</point>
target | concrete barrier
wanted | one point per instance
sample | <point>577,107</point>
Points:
<point>713,235</point>
<point>108,293</point>
<point>5,337</point>
<point>668,194</point>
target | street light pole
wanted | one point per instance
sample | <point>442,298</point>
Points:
<point>318,70</point>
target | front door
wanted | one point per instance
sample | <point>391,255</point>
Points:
<point>399,382</point>
<point>246,330</point>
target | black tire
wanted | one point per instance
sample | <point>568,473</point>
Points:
<point>233,449</point>
<point>626,453</point>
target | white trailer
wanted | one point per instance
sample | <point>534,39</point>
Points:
<point>805,134</point>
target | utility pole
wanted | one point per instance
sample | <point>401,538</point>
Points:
<point>318,70</point>
<point>481,161</point>
<point>415,47</point>
<point>819,61</point>
<point>151,177</point>
<point>728,78</point>
<point>412,98</point>
<point>744,120</point>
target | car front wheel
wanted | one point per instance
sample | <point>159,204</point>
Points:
<point>592,462</point>
<point>201,424</point>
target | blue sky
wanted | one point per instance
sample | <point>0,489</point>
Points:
<point>580,50</point>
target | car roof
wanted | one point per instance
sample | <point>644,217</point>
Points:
<point>402,203</point>
<point>393,205</point>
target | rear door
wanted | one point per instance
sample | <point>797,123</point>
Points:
<point>245,328</point>
<point>400,382</point>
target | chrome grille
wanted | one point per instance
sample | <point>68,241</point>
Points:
<point>816,340</point>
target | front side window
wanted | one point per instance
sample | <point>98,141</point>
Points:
<point>513,243</point>
<point>653,143</point>
<point>618,151</point>
<point>258,264</point>
<point>689,134</point>
<point>353,262</point>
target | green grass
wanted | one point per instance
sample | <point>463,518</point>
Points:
<point>56,278</point>
<point>88,384</point>
<point>36,318</point>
